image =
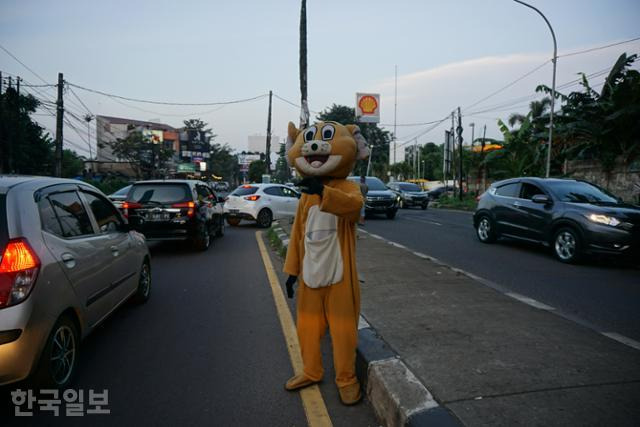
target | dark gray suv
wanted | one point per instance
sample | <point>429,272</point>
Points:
<point>572,217</point>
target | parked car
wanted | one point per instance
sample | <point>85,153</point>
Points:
<point>410,194</point>
<point>379,198</point>
<point>439,191</point>
<point>261,203</point>
<point>572,217</point>
<point>69,259</point>
<point>175,209</point>
<point>119,196</point>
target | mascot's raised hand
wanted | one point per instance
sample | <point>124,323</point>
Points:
<point>321,252</point>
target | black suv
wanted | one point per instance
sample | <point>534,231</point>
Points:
<point>175,210</point>
<point>410,194</point>
<point>573,217</point>
<point>379,198</point>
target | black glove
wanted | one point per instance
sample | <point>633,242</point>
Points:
<point>311,185</point>
<point>290,281</point>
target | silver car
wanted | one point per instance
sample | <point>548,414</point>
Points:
<point>68,260</point>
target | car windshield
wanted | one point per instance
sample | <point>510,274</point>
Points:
<point>409,187</point>
<point>160,193</point>
<point>244,190</point>
<point>123,191</point>
<point>374,184</point>
<point>580,192</point>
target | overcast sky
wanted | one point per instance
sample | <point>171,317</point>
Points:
<point>448,53</point>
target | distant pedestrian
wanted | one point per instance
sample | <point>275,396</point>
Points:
<point>364,189</point>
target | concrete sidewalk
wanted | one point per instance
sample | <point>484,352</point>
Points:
<point>442,348</point>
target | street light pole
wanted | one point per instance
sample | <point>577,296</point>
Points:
<point>553,85</point>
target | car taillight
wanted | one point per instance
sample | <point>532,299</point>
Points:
<point>18,271</point>
<point>189,205</point>
<point>252,198</point>
<point>129,205</point>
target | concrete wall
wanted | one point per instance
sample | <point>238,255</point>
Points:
<point>623,181</point>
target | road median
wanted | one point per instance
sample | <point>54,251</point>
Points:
<point>438,347</point>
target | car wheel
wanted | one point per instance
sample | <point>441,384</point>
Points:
<point>391,214</point>
<point>265,217</point>
<point>485,230</point>
<point>220,231</point>
<point>59,358</point>
<point>566,245</point>
<point>144,284</point>
<point>203,240</point>
<point>233,221</point>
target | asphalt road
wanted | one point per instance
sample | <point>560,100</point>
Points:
<point>206,349</point>
<point>602,293</point>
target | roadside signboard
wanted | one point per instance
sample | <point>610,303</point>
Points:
<point>186,167</point>
<point>368,107</point>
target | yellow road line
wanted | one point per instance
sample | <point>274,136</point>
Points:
<point>312,401</point>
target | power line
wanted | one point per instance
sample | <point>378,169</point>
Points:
<point>24,65</point>
<point>80,100</point>
<point>580,52</point>
<point>146,101</point>
<point>293,103</point>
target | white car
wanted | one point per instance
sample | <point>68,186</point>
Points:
<point>261,203</point>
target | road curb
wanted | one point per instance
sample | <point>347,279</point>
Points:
<point>398,397</point>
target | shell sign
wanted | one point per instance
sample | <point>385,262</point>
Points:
<point>368,107</point>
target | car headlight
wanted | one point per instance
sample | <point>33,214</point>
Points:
<point>603,219</point>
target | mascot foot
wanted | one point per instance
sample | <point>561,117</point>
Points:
<point>350,395</point>
<point>298,381</point>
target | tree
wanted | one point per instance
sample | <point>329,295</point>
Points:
<point>256,169</point>
<point>72,164</point>
<point>145,158</point>
<point>432,154</point>
<point>224,163</point>
<point>377,138</point>
<point>605,125</point>
<point>283,172</point>
<point>25,148</point>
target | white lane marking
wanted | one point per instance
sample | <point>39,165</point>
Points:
<point>397,245</point>
<point>424,221</point>
<point>529,301</point>
<point>375,236</point>
<point>622,339</point>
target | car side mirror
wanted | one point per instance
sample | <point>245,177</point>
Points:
<point>221,199</point>
<point>542,199</point>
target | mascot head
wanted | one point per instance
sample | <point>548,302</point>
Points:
<point>325,149</point>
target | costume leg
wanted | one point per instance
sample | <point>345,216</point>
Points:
<point>311,327</point>
<point>342,318</point>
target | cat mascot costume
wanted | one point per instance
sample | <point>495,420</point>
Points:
<point>321,254</point>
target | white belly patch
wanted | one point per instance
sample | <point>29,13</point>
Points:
<point>322,264</point>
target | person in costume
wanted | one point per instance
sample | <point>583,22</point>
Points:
<point>321,253</point>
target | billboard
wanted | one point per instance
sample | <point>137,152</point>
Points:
<point>195,140</point>
<point>368,107</point>
<point>153,136</point>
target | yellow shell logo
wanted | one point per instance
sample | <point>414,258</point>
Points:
<point>368,104</point>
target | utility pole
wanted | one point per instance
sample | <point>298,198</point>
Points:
<point>484,166</point>
<point>59,117</point>
<point>268,153</point>
<point>459,131</point>
<point>88,118</point>
<point>2,146</point>
<point>395,116</point>
<point>304,113</point>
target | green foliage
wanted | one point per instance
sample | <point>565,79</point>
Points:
<point>224,163</point>
<point>468,202</point>
<point>377,138</point>
<point>25,148</point>
<point>72,164</point>
<point>283,172</point>
<point>256,169</point>
<point>110,185</point>
<point>145,158</point>
<point>605,125</point>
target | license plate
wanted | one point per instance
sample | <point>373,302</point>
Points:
<point>158,217</point>
<point>234,211</point>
